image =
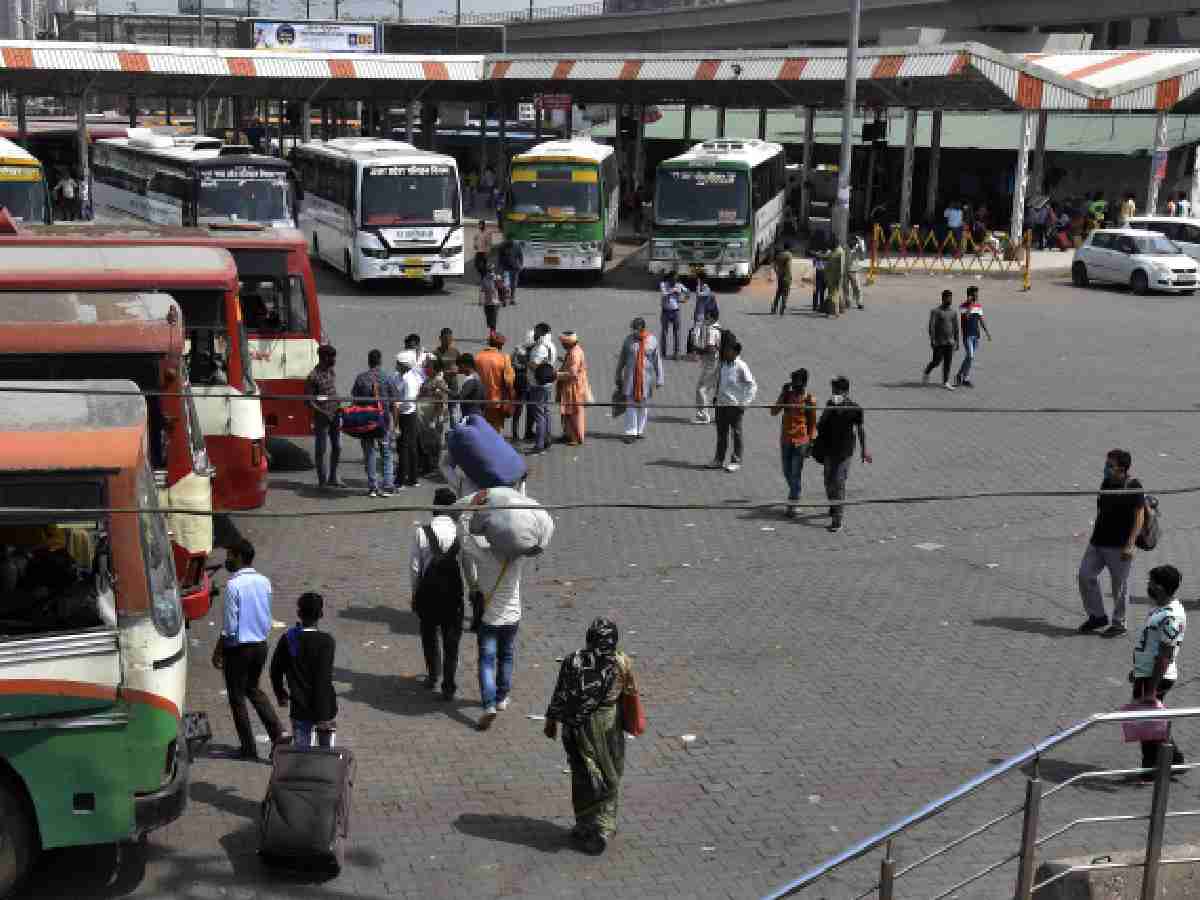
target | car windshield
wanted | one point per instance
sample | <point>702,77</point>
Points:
<point>702,197</point>
<point>557,191</point>
<point>24,200</point>
<point>409,195</point>
<point>229,195</point>
<point>1156,244</point>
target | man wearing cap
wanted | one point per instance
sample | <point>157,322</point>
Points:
<point>321,388</point>
<point>498,378</point>
<point>407,383</point>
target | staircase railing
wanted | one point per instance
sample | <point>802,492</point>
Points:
<point>1030,809</point>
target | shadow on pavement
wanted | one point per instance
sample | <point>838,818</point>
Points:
<point>677,464</point>
<point>285,455</point>
<point>907,384</point>
<point>400,621</point>
<point>99,871</point>
<point>402,695</point>
<point>224,798</point>
<point>1027,626</point>
<point>1058,771</point>
<point>522,830</point>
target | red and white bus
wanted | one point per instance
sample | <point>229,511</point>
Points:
<point>279,301</point>
<point>204,282</point>
<point>70,335</point>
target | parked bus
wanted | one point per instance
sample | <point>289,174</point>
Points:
<point>187,180</point>
<point>279,302</point>
<point>718,209</point>
<point>23,190</point>
<point>563,205</point>
<point>203,281</point>
<point>377,208</point>
<point>93,655</point>
<point>138,336</point>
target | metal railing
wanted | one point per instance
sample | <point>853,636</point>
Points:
<point>917,250</point>
<point>572,11</point>
<point>1030,843</point>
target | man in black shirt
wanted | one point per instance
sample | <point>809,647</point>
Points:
<point>835,445</point>
<point>304,657</point>
<point>943,338</point>
<point>1119,520</point>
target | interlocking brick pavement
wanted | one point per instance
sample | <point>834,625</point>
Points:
<point>833,682</point>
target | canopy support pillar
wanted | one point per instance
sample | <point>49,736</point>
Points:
<point>906,180</point>
<point>1020,178</point>
<point>935,159</point>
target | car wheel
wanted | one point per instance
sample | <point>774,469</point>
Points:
<point>1139,283</point>
<point>1079,275</point>
<point>17,838</point>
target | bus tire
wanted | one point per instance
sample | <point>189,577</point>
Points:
<point>608,252</point>
<point>438,282</point>
<point>350,268</point>
<point>17,837</point>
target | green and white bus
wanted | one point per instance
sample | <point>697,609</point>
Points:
<point>718,209</point>
<point>563,203</point>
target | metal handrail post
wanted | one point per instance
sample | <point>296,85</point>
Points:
<point>1158,817</point>
<point>1029,835</point>
<point>887,874</point>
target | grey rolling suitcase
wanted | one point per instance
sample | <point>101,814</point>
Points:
<point>306,813</point>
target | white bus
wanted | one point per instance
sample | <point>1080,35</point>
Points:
<point>188,180</point>
<point>378,208</point>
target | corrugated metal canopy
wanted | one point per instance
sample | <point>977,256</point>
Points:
<point>952,76</point>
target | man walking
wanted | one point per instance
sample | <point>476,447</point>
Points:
<point>407,386</point>
<point>321,388</point>
<point>858,261</point>
<point>736,389</point>
<point>782,265</point>
<point>841,419</point>
<point>241,650</point>
<point>511,260</point>
<point>799,409</point>
<point>708,347</point>
<point>1156,653</point>
<point>470,394</point>
<point>943,338</point>
<point>672,296</point>
<point>435,576</point>
<point>1119,520</point>
<point>483,247</point>
<point>639,372</point>
<point>372,386</point>
<point>971,318</point>
<point>542,368</point>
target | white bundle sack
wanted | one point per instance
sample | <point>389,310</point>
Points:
<point>513,524</point>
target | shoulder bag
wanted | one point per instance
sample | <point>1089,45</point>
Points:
<point>633,716</point>
<point>365,420</point>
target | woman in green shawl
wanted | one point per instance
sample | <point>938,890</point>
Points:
<point>586,702</point>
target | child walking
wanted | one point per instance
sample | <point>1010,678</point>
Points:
<point>304,659</point>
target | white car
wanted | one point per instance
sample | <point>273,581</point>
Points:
<point>1183,231</point>
<point>1144,260</point>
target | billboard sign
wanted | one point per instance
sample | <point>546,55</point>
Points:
<point>552,102</point>
<point>315,37</point>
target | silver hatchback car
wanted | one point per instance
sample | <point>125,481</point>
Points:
<point>1144,260</point>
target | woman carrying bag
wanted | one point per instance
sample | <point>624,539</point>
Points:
<point>596,699</point>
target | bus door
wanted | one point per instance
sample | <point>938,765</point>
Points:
<point>283,330</point>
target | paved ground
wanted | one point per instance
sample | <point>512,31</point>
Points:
<point>833,683</point>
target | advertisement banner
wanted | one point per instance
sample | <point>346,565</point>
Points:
<point>315,37</point>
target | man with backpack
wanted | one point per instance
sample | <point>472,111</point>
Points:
<point>1119,521</point>
<point>437,593</point>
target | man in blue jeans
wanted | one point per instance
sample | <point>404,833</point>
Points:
<point>973,327</point>
<point>372,386</point>
<point>498,580</point>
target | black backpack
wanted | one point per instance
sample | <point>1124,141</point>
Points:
<point>440,589</point>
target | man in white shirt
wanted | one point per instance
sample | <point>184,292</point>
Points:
<point>707,345</point>
<point>494,582</point>
<point>439,606</point>
<point>540,389</point>
<point>736,389</point>
<point>954,220</point>
<point>407,381</point>
<point>67,190</point>
<point>1156,652</point>
<point>672,295</point>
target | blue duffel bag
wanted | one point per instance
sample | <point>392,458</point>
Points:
<point>483,455</point>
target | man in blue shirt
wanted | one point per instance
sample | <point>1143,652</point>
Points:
<point>241,650</point>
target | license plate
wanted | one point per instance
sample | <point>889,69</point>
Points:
<point>413,261</point>
<point>552,260</point>
<point>414,272</point>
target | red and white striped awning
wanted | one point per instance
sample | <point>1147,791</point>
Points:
<point>953,76</point>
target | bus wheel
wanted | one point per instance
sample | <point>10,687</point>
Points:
<point>16,838</point>
<point>438,282</point>
<point>608,252</point>
<point>350,269</point>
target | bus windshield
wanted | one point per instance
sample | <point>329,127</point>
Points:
<point>409,195</point>
<point>24,200</point>
<point>702,197</point>
<point>209,350</point>
<point>556,191</point>
<point>230,195</point>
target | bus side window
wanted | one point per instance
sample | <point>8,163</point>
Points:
<point>297,313</point>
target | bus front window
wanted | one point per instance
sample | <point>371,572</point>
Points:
<point>274,305</point>
<point>702,197</point>
<point>556,192</point>
<point>24,200</point>
<point>248,200</point>
<point>409,195</point>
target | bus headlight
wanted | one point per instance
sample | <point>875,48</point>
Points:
<point>374,253</point>
<point>589,246</point>
<point>736,249</point>
<point>662,250</point>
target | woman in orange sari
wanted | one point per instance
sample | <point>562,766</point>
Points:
<point>574,389</point>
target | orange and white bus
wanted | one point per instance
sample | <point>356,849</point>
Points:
<point>204,282</point>
<point>280,308</point>
<point>71,335</point>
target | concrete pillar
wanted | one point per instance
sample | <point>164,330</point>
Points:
<point>198,116</point>
<point>1017,223</point>
<point>22,126</point>
<point>410,113</point>
<point>81,143</point>
<point>935,159</point>
<point>306,121</point>
<point>483,154</point>
<point>429,117</point>
<point>570,125</point>
<point>133,112</point>
<point>806,163</point>
<point>687,123</point>
<point>618,111</point>
<point>1160,143</point>
<point>639,146</point>
<point>502,143</point>
<point>869,198</point>
<point>237,119</point>
<point>720,121</point>
<point>906,178</point>
<point>1037,174</point>
<point>282,126</point>
<point>167,110</point>
<point>537,122</point>
<point>762,123</point>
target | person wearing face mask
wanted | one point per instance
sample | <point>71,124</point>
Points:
<point>1119,520</point>
<point>241,650</point>
<point>1156,653</point>
<point>834,446</point>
